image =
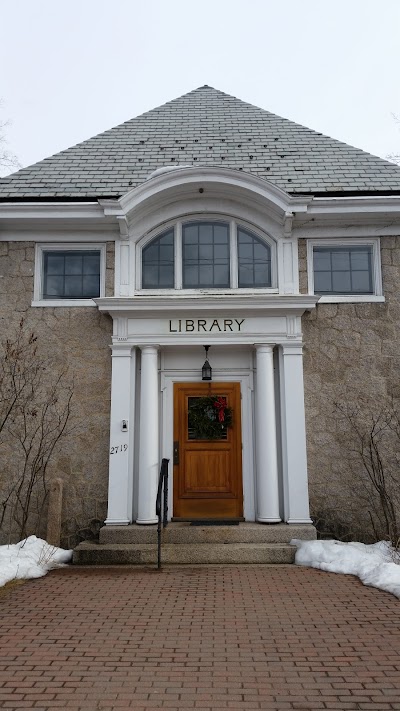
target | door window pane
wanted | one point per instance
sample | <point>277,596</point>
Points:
<point>200,416</point>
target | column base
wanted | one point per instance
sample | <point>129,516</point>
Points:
<point>117,522</point>
<point>146,522</point>
<point>298,521</point>
<point>269,520</point>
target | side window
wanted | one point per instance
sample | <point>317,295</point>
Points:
<point>71,275</point>
<point>349,270</point>
<point>343,270</point>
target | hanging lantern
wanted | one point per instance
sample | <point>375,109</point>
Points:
<point>206,371</point>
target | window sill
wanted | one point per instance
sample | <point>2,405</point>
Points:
<point>222,291</point>
<point>363,299</point>
<point>64,302</point>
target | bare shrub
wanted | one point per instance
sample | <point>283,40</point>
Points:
<point>35,407</point>
<point>372,435</point>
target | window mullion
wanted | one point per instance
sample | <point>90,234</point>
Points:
<point>234,277</point>
<point>178,255</point>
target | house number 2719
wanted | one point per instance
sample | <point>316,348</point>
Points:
<point>119,448</point>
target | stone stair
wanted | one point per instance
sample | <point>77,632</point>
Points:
<point>183,544</point>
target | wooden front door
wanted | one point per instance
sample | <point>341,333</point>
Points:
<point>207,472</point>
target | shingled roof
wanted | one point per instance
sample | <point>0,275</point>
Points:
<point>204,128</point>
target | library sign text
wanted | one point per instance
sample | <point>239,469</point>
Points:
<point>206,325</point>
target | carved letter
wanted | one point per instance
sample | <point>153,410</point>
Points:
<point>172,330</point>
<point>215,323</point>
<point>180,325</point>
<point>189,325</point>
<point>201,323</point>
<point>228,324</point>
<point>239,323</point>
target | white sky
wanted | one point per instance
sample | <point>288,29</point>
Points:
<point>70,69</point>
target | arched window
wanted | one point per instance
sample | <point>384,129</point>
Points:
<point>254,260</point>
<point>205,254</point>
<point>158,262</point>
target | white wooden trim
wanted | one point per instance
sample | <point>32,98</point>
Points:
<point>377,296</point>
<point>41,248</point>
<point>215,178</point>
<point>177,255</point>
<point>233,255</point>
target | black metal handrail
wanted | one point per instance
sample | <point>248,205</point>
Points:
<point>162,505</point>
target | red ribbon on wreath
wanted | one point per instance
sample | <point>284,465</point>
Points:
<point>220,405</point>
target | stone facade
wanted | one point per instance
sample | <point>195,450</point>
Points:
<point>351,356</point>
<point>78,338</point>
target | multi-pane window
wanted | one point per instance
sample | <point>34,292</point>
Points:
<point>71,275</point>
<point>205,255</point>
<point>209,254</point>
<point>343,270</point>
<point>254,260</point>
<point>158,263</point>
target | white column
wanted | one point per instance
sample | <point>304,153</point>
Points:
<point>149,436</point>
<point>267,505</point>
<point>294,457</point>
<point>120,481</point>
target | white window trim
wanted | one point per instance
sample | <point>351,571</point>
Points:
<point>233,223</point>
<point>40,250</point>
<point>373,242</point>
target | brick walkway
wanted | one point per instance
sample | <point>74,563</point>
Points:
<point>199,638</point>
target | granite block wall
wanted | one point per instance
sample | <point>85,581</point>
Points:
<point>78,339</point>
<point>351,357</point>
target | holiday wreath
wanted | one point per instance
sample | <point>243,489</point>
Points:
<point>209,417</point>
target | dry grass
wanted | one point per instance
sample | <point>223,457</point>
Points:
<point>10,585</point>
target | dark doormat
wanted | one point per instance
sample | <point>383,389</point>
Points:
<point>214,522</point>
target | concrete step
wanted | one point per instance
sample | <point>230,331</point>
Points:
<point>183,532</point>
<point>182,554</point>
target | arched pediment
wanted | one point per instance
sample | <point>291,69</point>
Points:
<point>196,189</point>
<point>172,196</point>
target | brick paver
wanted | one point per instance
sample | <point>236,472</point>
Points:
<point>253,637</point>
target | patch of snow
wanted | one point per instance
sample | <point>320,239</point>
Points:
<point>31,558</point>
<point>373,564</point>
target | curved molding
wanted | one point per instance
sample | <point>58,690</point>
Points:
<point>201,183</point>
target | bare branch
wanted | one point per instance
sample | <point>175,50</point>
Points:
<point>35,408</point>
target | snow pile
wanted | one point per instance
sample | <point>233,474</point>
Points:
<point>373,564</point>
<point>30,558</point>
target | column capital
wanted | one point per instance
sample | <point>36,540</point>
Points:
<point>292,349</point>
<point>150,348</point>
<point>264,347</point>
<point>121,350</point>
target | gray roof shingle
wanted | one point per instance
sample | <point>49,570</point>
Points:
<point>204,128</point>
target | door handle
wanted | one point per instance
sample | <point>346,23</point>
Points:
<point>176,452</point>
